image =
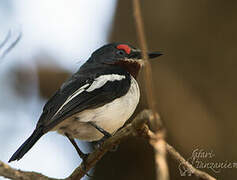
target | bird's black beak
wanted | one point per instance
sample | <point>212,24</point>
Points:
<point>138,55</point>
<point>154,54</point>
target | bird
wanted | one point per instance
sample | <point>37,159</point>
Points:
<point>95,101</point>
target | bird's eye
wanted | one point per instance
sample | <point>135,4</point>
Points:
<point>121,52</point>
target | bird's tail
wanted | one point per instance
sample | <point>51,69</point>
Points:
<point>27,145</point>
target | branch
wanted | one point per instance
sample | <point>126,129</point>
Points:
<point>156,124</point>
<point>199,174</point>
<point>138,127</point>
<point>158,143</point>
<point>11,173</point>
<point>157,138</point>
<point>176,155</point>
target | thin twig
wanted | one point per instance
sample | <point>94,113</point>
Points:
<point>156,125</point>
<point>180,159</point>
<point>6,39</point>
<point>148,71</point>
<point>11,44</point>
<point>176,155</point>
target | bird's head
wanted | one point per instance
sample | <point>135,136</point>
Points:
<point>123,55</point>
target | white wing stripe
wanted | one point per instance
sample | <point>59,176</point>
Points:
<point>76,93</point>
<point>98,82</point>
<point>101,80</point>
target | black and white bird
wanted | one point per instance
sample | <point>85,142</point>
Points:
<point>96,101</point>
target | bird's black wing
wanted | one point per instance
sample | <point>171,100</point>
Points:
<point>77,95</point>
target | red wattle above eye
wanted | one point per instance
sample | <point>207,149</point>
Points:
<point>124,47</point>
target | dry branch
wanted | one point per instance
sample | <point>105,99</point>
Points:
<point>199,174</point>
<point>135,128</point>
<point>158,143</point>
<point>11,173</point>
<point>138,127</point>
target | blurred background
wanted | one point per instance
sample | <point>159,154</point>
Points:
<point>194,82</point>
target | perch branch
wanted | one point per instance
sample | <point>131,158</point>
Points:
<point>11,173</point>
<point>135,128</point>
<point>138,128</point>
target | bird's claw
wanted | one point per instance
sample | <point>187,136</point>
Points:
<point>99,143</point>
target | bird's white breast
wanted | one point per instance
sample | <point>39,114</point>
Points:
<point>110,117</point>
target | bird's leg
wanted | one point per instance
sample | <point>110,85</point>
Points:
<point>106,134</point>
<point>82,155</point>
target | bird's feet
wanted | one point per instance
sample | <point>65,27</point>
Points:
<point>98,144</point>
